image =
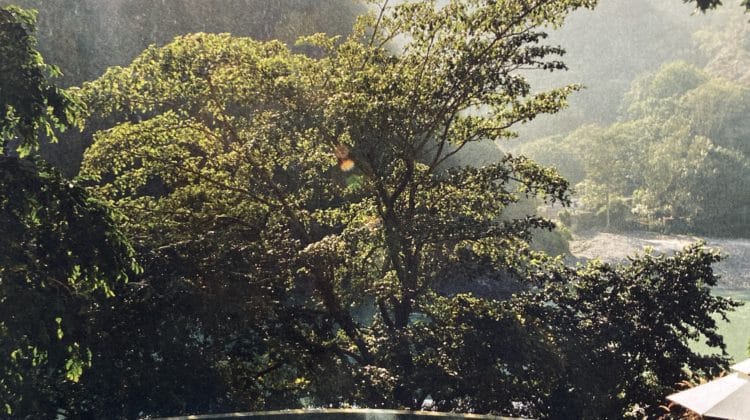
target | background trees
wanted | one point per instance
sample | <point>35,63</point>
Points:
<point>117,31</point>
<point>677,162</point>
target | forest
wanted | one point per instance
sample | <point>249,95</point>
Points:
<point>246,205</point>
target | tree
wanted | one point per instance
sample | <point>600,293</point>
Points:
<point>654,94</point>
<point>704,5</point>
<point>61,250</point>
<point>30,104</point>
<point>700,187</point>
<point>625,330</point>
<point>331,167</point>
<point>311,196</point>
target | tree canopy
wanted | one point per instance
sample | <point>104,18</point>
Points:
<point>29,104</point>
<point>316,186</point>
<point>308,159</point>
<point>308,240</point>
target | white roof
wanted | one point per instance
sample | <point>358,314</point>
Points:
<point>742,367</point>
<point>726,398</point>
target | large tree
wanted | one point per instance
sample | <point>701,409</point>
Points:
<point>312,198</point>
<point>330,170</point>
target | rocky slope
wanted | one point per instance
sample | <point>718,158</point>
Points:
<point>615,247</point>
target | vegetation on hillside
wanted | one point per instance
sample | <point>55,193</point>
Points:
<point>676,162</point>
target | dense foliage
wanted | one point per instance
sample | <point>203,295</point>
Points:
<point>625,329</point>
<point>307,238</point>
<point>29,104</point>
<point>61,253</point>
<point>85,37</point>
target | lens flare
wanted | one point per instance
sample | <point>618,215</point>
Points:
<point>346,165</point>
